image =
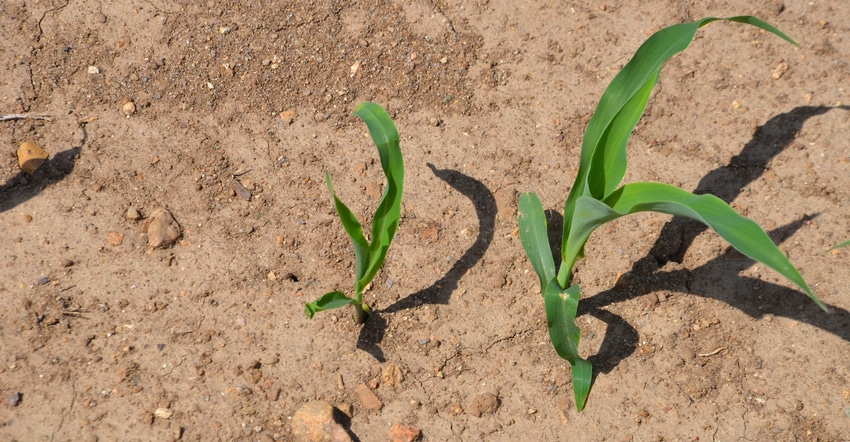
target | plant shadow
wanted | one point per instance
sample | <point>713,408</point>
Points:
<point>726,182</point>
<point>441,290</point>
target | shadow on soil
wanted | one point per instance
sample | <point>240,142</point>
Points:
<point>726,182</point>
<point>20,188</point>
<point>440,291</point>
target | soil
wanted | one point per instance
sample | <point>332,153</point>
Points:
<point>227,114</point>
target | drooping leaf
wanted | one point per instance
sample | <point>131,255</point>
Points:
<point>741,233</point>
<point>603,158</point>
<point>328,301</point>
<point>387,215</point>
<point>535,237</point>
<point>561,307</point>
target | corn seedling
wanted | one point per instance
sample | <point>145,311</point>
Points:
<point>595,197</point>
<point>369,256</point>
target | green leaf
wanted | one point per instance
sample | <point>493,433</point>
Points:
<point>388,213</point>
<point>561,306</point>
<point>844,244</point>
<point>603,153</point>
<point>741,233</point>
<point>535,237</point>
<point>328,301</point>
<point>353,229</point>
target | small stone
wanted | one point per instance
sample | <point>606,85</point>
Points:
<point>66,262</point>
<point>651,300</point>
<point>369,400</point>
<point>392,375</point>
<point>129,108</point>
<point>404,433</point>
<point>288,116</point>
<point>31,156</point>
<point>93,70</point>
<point>14,399</point>
<point>133,214</point>
<point>163,229</point>
<point>241,190</point>
<point>780,70</point>
<point>483,404</point>
<point>163,413</point>
<point>115,239</point>
<point>314,422</point>
<point>27,219</point>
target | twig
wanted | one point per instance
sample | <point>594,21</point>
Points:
<point>716,350</point>
<point>11,117</point>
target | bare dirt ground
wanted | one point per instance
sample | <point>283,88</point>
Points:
<point>691,340</point>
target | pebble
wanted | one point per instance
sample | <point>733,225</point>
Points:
<point>163,413</point>
<point>288,116</point>
<point>14,399</point>
<point>31,156</point>
<point>129,108</point>
<point>483,404</point>
<point>133,214</point>
<point>367,398</point>
<point>93,70</point>
<point>314,422</point>
<point>241,190</point>
<point>66,262</point>
<point>404,433</point>
<point>163,229</point>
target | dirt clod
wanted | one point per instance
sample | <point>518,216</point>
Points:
<point>392,375</point>
<point>369,400</point>
<point>483,404</point>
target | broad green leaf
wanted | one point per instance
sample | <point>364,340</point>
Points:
<point>741,233</point>
<point>328,301</point>
<point>844,244</point>
<point>603,158</point>
<point>535,237</point>
<point>561,307</point>
<point>388,213</point>
<point>352,228</point>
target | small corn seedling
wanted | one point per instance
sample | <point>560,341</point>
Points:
<point>369,256</point>
<point>844,244</point>
<point>595,198</point>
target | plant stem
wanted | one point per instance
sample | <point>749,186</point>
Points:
<point>362,313</point>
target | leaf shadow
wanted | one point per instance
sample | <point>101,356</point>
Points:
<point>21,188</point>
<point>621,339</point>
<point>441,290</point>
